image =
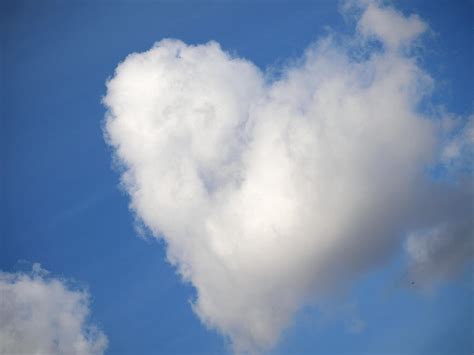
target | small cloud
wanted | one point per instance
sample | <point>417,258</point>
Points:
<point>40,314</point>
<point>389,26</point>
<point>440,252</point>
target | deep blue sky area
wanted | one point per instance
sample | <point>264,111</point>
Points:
<point>61,205</point>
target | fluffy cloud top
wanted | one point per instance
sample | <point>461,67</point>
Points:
<point>389,26</point>
<point>272,193</point>
<point>42,315</point>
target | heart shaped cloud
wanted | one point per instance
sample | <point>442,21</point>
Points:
<point>271,193</point>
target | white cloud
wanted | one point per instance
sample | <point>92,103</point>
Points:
<point>41,315</point>
<point>390,26</point>
<point>271,194</point>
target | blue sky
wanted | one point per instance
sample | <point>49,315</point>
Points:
<point>62,206</point>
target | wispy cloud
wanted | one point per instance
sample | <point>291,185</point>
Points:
<point>78,208</point>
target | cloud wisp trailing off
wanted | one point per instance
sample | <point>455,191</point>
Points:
<point>271,193</point>
<point>42,315</point>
